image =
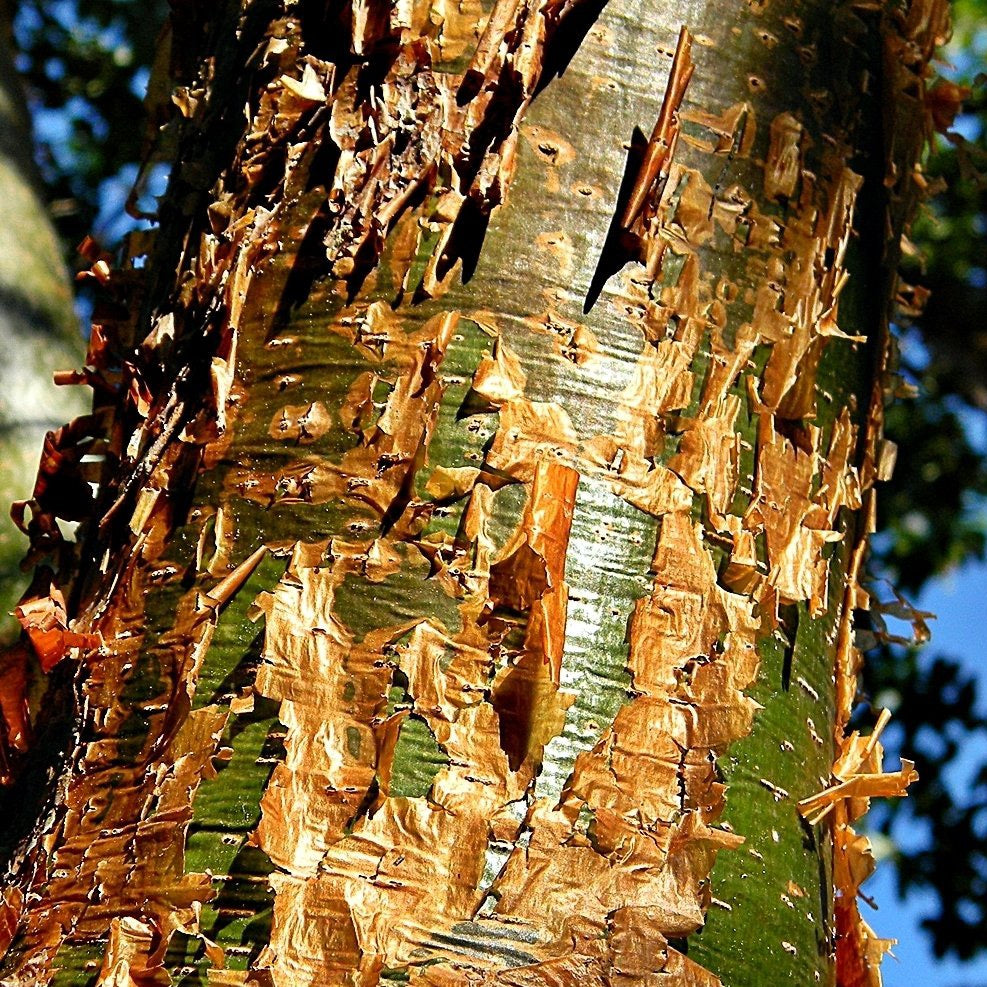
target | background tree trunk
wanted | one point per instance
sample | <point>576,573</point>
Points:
<point>474,467</point>
<point>39,331</point>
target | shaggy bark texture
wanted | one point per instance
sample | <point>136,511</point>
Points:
<point>485,487</point>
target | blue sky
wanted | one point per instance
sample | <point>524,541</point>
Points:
<point>958,600</point>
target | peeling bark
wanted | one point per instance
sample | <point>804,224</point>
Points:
<point>546,489</point>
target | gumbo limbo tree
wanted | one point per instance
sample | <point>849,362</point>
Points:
<point>473,507</point>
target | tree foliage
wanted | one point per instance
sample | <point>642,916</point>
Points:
<point>933,513</point>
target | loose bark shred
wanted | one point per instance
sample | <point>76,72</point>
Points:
<point>661,146</point>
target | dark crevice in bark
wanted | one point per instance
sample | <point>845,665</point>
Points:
<point>465,240</point>
<point>789,628</point>
<point>567,38</point>
<point>309,265</point>
<point>618,247</point>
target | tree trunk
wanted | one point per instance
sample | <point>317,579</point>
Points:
<point>485,488</point>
